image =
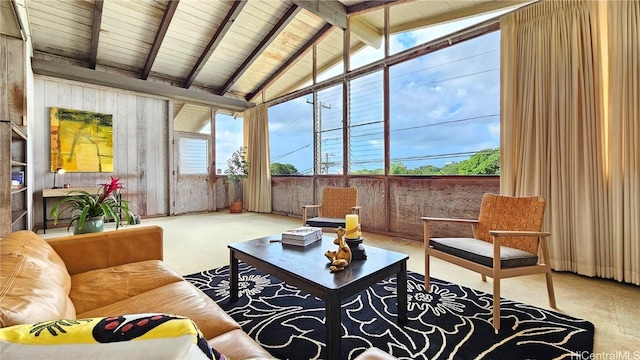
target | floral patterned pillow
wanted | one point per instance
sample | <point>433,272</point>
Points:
<point>141,336</point>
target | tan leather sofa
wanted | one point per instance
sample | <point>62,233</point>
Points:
<point>105,274</point>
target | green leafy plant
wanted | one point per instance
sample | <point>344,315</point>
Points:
<point>237,169</point>
<point>81,205</point>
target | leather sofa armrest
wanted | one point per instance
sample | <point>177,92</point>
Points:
<point>85,252</point>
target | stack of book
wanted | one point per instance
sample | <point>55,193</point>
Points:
<point>302,236</point>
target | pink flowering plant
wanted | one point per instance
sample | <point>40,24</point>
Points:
<point>81,205</point>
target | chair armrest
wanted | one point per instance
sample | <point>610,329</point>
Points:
<point>85,252</point>
<point>357,207</point>
<point>519,233</point>
<point>466,221</point>
<point>310,206</point>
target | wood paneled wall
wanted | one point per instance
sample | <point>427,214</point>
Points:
<point>12,86</point>
<point>140,136</point>
<point>393,205</point>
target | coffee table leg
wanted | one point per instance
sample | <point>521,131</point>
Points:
<point>402,294</point>
<point>233,276</point>
<point>333,327</point>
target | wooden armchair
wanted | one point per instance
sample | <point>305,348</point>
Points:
<point>506,240</point>
<point>336,203</point>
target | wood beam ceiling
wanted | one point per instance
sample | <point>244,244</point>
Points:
<point>293,59</point>
<point>95,33</point>
<point>275,31</point>
<point>368,6</point>
<point>157,42</point>
<point>236,8</point>
<point>336,14</point>
<point>75,73</point>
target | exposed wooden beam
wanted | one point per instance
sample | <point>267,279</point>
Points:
<point>293,59</point>
<point>70,72</point>
<point>95,32</point>
<point>275,31</point>
<point>236,8</point>
<point>336,14</point>
<point>162,31</point>
<point>369,5</point>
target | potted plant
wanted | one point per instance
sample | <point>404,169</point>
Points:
<point>237,169</point>
<point>89,211</point>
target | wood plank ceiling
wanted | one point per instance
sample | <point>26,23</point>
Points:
<point>249,50</point>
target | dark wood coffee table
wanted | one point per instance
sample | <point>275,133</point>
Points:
<point>308,269</point>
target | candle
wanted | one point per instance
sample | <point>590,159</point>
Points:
<point>353,227</point>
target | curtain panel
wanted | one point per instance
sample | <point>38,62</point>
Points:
<point>556,137</point>
<point>257,194</point>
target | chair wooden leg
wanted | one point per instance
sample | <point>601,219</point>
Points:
<point>545,257</point>
<point>496,283</point>
<point>484,277</point>
<point>496,303</point>
<point>552,295</point>
<point>427,236</point>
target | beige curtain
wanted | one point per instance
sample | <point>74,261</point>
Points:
<point>257,186</point>
<point>555,139</point>
<point>623,18</point>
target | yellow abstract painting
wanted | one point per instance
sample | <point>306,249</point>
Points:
<point>81,141</point>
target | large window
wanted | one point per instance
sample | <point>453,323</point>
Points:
<point>228,139</point>
<point>366,125</point>
<point>445,110</point>
<point>328,150</point>
<point>291,137</point>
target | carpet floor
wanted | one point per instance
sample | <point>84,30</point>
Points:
<point>449,322</point>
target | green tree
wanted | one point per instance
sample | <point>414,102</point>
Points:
<point>427,170</point>
<point>283,169</point>
<point>398,168</point>
<point>450,169</point>
<point>483,162</point>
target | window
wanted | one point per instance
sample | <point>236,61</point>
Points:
<point>229,132</point>
<point>291,137</point>
<point>445,108</point>
<point>366,125</point>
<point>328,150</point>
<point>193,156</point>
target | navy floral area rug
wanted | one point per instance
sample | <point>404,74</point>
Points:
<point>449,322</point>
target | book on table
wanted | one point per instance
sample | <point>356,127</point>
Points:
<point>303,236</point>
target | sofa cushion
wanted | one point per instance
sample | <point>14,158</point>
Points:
<point>180,298</point>
<point>131,336</point>
<point>481,252</point>
<point>34,282</point>
<point>97,288</point>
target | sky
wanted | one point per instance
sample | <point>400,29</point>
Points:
<point>444,103</point>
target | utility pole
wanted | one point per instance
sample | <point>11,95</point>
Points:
<point>323,164</point>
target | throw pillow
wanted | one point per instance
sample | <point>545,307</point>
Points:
<point>141,336</point>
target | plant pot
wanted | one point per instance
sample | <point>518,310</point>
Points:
<point>235,207</point>
<point>91,225</point>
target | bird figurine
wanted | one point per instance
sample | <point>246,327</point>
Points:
<point>342,257</point>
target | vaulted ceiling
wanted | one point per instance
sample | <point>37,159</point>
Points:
<point>233,53</point>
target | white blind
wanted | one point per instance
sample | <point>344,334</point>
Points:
<point>193,156</point>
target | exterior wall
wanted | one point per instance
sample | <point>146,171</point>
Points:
<point>393,205</point>
<point>141,143</point>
